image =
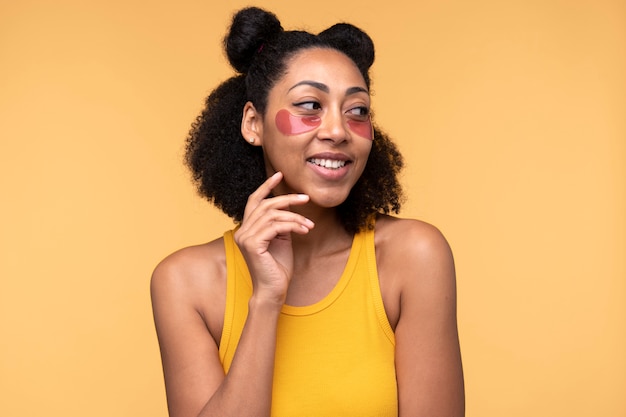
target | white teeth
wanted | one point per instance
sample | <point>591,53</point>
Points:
<point>328,163</point>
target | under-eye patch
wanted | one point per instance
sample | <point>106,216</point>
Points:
<point>362,128</point>
<point>289,124</point>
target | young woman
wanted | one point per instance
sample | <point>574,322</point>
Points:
<point>319,303</point>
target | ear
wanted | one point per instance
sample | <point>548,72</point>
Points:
<point>252,125</point>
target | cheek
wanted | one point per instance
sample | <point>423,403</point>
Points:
<point>290,125</point>
<point>363,129</point>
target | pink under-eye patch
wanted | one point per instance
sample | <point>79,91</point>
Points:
<point>362,128</point>
<point>290,125</point>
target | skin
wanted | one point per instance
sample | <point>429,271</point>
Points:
<point>290,125</point>
<point>284,239</point>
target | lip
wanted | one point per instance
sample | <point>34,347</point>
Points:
<point>335,156</point>
<point>327,173</point>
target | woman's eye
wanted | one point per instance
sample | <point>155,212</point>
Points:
<point>309,105</point>
<point>360,111</point>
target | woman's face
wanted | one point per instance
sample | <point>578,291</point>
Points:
<point>317,129</point>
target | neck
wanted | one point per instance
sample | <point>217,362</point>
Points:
<point>328,235</point>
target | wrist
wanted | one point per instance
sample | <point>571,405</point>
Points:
<point>266,304</point>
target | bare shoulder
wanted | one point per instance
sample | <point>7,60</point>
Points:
<point>188,290</point>
<point>415,265</point>
<point>418,283</point>
<point>411,242</point>
<point>192,279</point>
<point>191,266</point>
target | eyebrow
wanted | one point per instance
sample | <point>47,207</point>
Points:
<point>354,90</point>
<point>324,87</point>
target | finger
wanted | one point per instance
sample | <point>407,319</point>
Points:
<point>265,189</point>
<point>281,202</point>
<point>264,223</point>
<point>277,209</point>
<point>257,239</point>
<point>255,211</point>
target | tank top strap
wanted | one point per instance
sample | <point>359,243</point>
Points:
<point>374,282</point>
<point>238,292</point>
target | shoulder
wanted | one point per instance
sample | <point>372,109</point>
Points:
<point>412,240</point>
<point>188,290</point>
<point>191,262</point>
<point>418,267</point>
<point>418,276</point>
<point>191,272</point>
<point>415,267</point>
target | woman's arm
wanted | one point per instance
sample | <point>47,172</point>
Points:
<point>188,295</point>
<point>428,358</point>
<point>194,377</point>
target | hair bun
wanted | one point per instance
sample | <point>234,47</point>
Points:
<point>250,28</point>
<point>352,41</point>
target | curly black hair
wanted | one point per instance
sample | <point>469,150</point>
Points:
<point>226,170</point>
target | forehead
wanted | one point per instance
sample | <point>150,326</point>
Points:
<point>322,64</point>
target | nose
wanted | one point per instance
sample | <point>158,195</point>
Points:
<point>333,127</point>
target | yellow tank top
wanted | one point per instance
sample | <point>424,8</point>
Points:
<point>333,358</point>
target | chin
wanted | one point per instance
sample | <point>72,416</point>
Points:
<point>329,201</point>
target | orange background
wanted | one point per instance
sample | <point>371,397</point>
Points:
<point>512,119</point>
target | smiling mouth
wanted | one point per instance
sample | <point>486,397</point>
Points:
<point>328,163</point>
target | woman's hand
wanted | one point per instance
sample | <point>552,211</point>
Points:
<point>264,238</point>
